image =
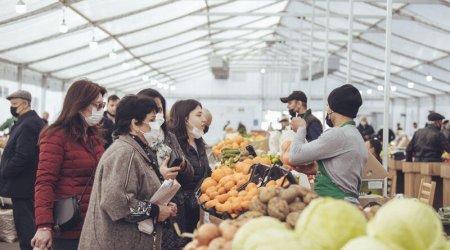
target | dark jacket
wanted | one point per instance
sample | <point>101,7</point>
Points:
<point>20,157</point>
<point>427,145</point>
<point>366,131</point>
<point>64,169</point>
<point>313,126</point>
<point>108,126</point>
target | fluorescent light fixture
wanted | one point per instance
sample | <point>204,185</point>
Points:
<point>93,44</point>
<point>145,78</point>
<point>369,91</point>
<point>125,65</point>
<point>393,88</point>
<point>112,55</point>
<point>21,7</point>
<point>410,85</point>
<point>263,71</point>
<point>380,87</point>
<point>429,78</point>
<point>63,28</point>
<point>173,87</point>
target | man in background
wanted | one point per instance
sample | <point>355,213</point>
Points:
<point>365,129</point>
<point>208,118</point>
<point>45,117</point>
<point>109,119</point>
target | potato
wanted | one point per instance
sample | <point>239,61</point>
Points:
<point>289,195</point>
<point>292,218</point>
<point>191,245</point>
<point>296,206</point>
<point>205,233</point>
<point>301,191</point>
<point>250,215</point>
<point>309,197</point>
<point>278,208</point>
<point>228,229</point>
<point>257,205</point>
<point>267,193</point>
<point>217,244</point>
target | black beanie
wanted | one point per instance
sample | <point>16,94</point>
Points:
<point>345,100</point>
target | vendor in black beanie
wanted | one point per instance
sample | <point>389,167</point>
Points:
<point>340,152</point>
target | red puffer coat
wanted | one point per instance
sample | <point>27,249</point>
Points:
<point>63,171</point>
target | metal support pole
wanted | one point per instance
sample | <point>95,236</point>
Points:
<point>325,63</point>
<point>350,42</point>
<point>300,56</point>
<point>311,42</point>
<point>44,86</point>
<point>19,76</point>
<point>387,89</point>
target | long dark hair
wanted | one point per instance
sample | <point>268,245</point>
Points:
<point>132,107</point>
<point>79,96</point>
<point>152,93</point>
<point>179,114</point>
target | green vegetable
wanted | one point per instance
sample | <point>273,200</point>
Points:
<point>267,236</point>
<point>253,227</point>
<point>366,243</point>
<point>330,223</point>
<point>407,224</point>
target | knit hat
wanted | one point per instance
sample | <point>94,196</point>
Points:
<point>345,100</point>
<point>433,116</point>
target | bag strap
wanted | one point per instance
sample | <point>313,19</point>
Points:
<point>91,149</point>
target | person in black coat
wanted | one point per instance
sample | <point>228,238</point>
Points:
<point>109,119</point>
<point>19,164</point>
<point>365,129</point>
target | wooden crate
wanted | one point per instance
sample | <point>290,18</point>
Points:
<point>431,171</point>
<point>445,175</point>
<point>412,178</point>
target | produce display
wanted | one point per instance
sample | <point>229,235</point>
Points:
<point>230,143</point>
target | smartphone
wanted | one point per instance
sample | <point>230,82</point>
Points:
<point>176,162</point>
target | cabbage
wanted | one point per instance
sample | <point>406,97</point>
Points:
<point>330,223</point>
<point>408,224</point>
<point>366,243</point>
<point>254,227</point>
<point>269,236</point>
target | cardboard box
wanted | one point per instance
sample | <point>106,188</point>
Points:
<point>373,169</point>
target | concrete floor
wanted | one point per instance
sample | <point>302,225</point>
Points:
<point>9,246</point>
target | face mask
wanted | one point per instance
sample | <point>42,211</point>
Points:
<point>153,134</point>
<point>197,133</point>
<point>328,121</point>
<point>206,129</point>
<point>292,113</point>
<point>94,118</point>
<point>160,119</point>
<point>14,111</point>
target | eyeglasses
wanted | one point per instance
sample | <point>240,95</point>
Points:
<point>99,105</point>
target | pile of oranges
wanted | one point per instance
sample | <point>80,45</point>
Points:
<point>235,143</point>
<point>220,191</point>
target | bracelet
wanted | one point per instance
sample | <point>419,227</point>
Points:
<point>45,229</point>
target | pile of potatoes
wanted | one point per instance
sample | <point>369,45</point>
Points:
<point>282,204</point>
<point>210,236</point>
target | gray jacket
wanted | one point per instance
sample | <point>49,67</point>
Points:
<point>123,178</point>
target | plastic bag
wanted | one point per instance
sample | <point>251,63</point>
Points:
<point>7,229</point>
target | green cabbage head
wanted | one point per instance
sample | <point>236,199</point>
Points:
<point>254,227</point>
<point>407,224</point>
<point>330,223</point>
<point>366,243</point>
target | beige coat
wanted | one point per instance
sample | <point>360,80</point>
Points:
<point>123,178</point>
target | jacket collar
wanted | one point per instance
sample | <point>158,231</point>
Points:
<point>27,114</point>
<point>304,115</point>
<point>128,139</point>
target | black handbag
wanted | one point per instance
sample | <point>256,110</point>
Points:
<point>66,212</point>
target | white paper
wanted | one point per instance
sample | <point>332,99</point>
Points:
<point>166,192</point>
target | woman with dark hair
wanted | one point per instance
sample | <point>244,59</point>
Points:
<point>70,149</point>
<point>187,123</point>
<point>127,177</point>
<point>375,148</point>
<point>166,145</point>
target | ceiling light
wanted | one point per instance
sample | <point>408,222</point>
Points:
<point>369,91</point>
<point>429,78</point>
<point>63,28</point>
<point>153,82</point>
<point>135,72</point>
<point>393,88</point>
<point>93,44</point>
<point>173,87</point>
<point>263,71</point>
<point>160,86</point>
<point>410,85</point>
<point>166,86</point>
<point>125,65</point>
<point>21,7</point>
<point>380,87</point>
<point>145,78</point>
<point>112,55</point>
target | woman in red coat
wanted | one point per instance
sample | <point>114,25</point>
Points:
<point>70,150</point>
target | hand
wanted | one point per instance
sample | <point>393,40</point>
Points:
<point>168,173</point>
<point>174,209</point>
<point>297,122</point>
<point>42,239</point>
<point>164,212</point>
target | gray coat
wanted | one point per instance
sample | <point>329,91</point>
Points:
<point>123,178</point>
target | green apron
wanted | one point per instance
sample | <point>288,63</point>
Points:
<point>324,186</point>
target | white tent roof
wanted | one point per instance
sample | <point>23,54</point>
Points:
<point>171,41</point>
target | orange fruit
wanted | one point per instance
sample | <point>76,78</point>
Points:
<point>204,198</point>
<point>209,190</point>
<point>218,174</point>
<point>245,205</point>
<point>222,190</point>
<point>250,186</point>
<point>241,183</point>
<point>208,182</point>
<point>222,198</point>
<point>271,183</point>
<point>242,193</point>
<point>246,169</point>
<point>228,171</point>
<point>210,204</point>
<point>213,195</point>
<point>229,185</point>
<point>233,193</point>
<point>248,161</point>
<point>226,179</point>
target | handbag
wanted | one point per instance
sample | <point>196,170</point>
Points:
<point>66,212</point>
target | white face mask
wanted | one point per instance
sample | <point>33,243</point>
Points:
<point>153,134</point>
<point>197,133</point>
<point>160,119</point>
<point>94,118</point>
